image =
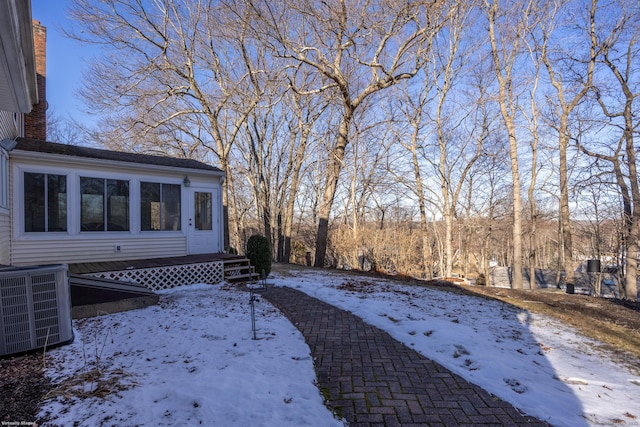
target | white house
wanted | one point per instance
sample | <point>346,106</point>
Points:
<point>18,93</point>
<point>72,204</point>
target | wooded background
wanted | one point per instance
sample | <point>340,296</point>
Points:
<point>420,137</point>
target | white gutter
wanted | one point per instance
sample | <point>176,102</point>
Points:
<point>17,57</point>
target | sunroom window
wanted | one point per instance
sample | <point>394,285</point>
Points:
<point>159,206</point>
<point>104,204</point>
<point>45,202</point>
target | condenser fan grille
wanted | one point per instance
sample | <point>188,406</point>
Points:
<point>15,307</point>
<point>35,309</point>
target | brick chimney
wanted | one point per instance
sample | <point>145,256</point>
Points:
<point>35,123</point>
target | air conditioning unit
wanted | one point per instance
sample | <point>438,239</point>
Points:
<point>35,308</point>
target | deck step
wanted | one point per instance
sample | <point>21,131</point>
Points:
<point>239,270</point>
<point>241,276</point>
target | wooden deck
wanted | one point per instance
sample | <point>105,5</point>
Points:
<point>97,267</point>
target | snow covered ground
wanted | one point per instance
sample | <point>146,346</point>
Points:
<point>192,360</point>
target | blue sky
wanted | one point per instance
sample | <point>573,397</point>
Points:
<point>66,59</point>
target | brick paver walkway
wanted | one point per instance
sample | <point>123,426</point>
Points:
<point>371,379</point>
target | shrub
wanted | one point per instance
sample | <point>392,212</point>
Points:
<point>259,253</point>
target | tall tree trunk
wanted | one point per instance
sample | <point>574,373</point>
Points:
<point>426,254</point>
<point>447,209</point>
<point>517,210</point>
<point>280,239</point>
<point>532,183</point>
<point>230,206</point>
<point>334,167</point>
<point>565,216</point>
<point>631,277</point>
<point>563,111</point>
<point>507,105</point>
<point>633,249</point>
<point>532,247</point>
<point>487,252</point>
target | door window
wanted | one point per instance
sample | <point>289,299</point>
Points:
<point>203,211</point>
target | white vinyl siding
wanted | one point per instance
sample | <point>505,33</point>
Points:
<point>54,251</point>
<point>5,215</point>
<point>4,179</point>
<point>5,238</point>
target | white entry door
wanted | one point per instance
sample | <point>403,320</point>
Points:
<point>202,234</point>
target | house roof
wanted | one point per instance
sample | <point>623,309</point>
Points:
<point>18,87</point>
<point>118,156</point>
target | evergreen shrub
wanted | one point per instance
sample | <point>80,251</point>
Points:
<point>259,253</point>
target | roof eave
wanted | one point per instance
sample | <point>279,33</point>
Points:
<point>17,57</point>
<point>17,153</point>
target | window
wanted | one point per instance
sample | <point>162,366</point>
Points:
<point>159,207</point>
<point>45,202</point>
<point>203,210</point>
<point>104,204</point>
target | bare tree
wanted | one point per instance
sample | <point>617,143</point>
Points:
<point>509,25</point>
<point>624,38</point>
<point>359,49</point>
<point>305,112</point>
<point>182,74</point>
<point>615,90</point>
<point>258,147</point>
<point>271,153</point>
<point>364,165</point>
<point>413,139</point>
<point>65,130</point>
<point>571,79</point>
<point>533,210</point>
<point>456,150</point>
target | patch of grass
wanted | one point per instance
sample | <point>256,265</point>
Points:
<point>94,383</point>
<point>326,396</point>
<point>325,392</point>
<point>96,378</point>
